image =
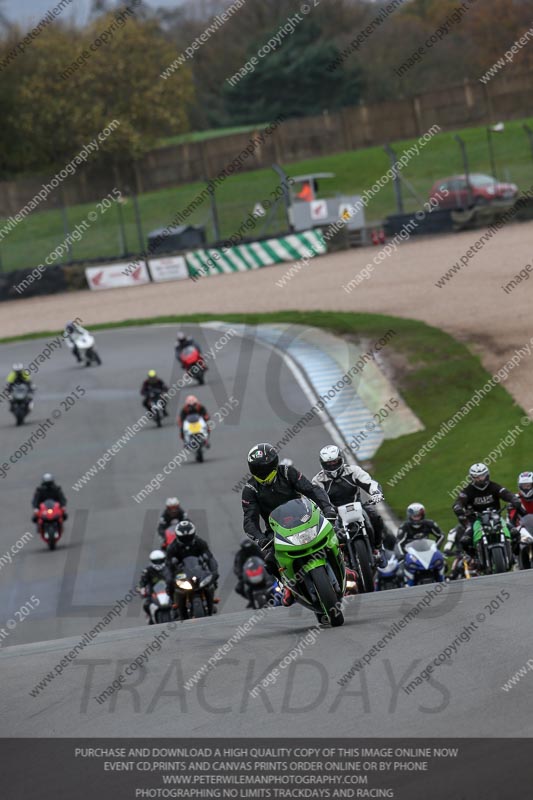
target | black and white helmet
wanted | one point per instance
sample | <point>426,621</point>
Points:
<point>48,478</point>
<point>525,485</point>
<point>157,559</point>
<point>263,462</point>
<point>416,514</point>
<point>479,475</point>
<point>185,531</point>
<point>332,461</point>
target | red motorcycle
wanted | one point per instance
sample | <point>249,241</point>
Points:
<point>170,535</point>
<point>192,361</point>
<point>50,517</point>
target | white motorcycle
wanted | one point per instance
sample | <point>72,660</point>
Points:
<point>160,604</point>
<point>82,345</point>
<point>424,562</point>
<point>526,542</point>
<point>356,545</point>
<point>196,435</point>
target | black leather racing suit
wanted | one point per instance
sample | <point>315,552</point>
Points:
<point>471,500</point>
<point>166,518</point>
<point>149,577</point>
<point>259,500</point>
<point>427,529</point>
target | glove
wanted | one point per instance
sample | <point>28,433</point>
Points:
<point>263,543</point>
<point>376,497</point>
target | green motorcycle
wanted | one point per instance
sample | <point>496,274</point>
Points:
<point>310,563</point>
<point>492,540</point>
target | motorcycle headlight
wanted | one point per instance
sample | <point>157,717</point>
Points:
<point>205,581</point>
<point>304,537</point>
<point>438,563</point>
<point>181,584</point>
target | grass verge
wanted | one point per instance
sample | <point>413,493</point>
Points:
<point>115,232</point>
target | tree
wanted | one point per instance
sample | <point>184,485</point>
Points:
<point>293,80</point>
<point>49,118</point>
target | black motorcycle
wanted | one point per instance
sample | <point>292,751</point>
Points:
<point>193,589</point>
<point>155,404</point>
<point>20,401</point>
<point>260,589</point>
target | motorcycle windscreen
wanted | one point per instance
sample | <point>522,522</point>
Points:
<point>193,568</point>
<point>527,523</point>
<point>423,550</point>
<point>189,355</point>
<point>293,514</point>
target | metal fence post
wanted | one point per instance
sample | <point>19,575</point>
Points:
<point>214,214</point>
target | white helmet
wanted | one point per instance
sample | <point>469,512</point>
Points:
<point>479,475</point>
<point>416,514</point>
<point>525,485</point>
<point>331,461</point>
<point>157,559</point>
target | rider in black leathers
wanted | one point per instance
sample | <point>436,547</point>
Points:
<point>48,489</point>
<point>153,383</point>
<point>172,511</point>
<point>416,526</point>
<point>156,571</point>
<point>187,543</point>
<point>247,549</point>
<point>183,341</point>
<point>481,494</point>
<point>270,486</point>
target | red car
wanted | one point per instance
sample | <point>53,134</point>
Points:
<point>454,192</point>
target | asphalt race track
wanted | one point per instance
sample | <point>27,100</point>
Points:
<point>109,535</point>
<point>463,698</point>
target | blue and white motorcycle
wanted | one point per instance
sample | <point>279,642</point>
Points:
<point>391,576</point>
<point>424,563</point>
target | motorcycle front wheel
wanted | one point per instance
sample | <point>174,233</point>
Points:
<point>525,558</point>
<point>363,567</point>
<point>498,562</point>
<point>327,597</point>
<point>198,610</point>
